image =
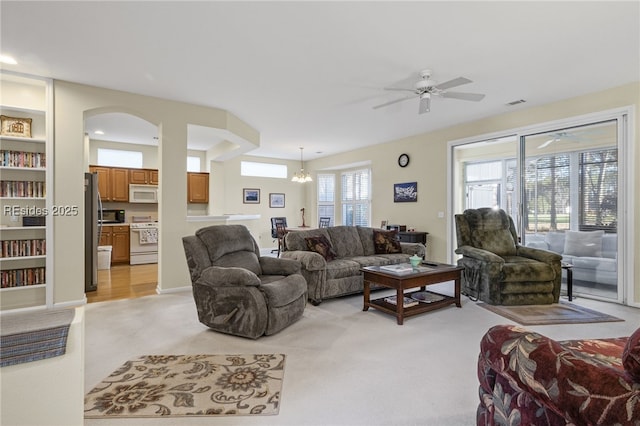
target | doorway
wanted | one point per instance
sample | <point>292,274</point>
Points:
<point>123,150</point>
<point>563,185</point>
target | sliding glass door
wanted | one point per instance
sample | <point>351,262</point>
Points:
<point>485,173</point>
<point>561,187</point>
<point>570,201</point>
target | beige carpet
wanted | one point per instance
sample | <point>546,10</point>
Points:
<point>190,385</point>
<point>559,313</point>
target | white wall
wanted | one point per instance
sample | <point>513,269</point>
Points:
<point>73,103</point>
<point>428,165</point>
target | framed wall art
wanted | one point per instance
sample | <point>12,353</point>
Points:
<point>276,200</point>
<point>251,196</point>
<point>15,126</point>
<point>405,192</point>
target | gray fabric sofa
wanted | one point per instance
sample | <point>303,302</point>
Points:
<point>354,248</point>
<point>593,254</point>
<point>238,292</point>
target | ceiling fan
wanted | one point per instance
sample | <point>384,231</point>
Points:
<point>559,136</point>
<point>424,88</point>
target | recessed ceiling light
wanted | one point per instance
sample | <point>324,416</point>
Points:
<point>7,60</point>
<point>99,132</point>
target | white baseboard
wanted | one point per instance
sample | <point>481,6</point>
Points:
<point>172,290</point>
<point>72,303</point>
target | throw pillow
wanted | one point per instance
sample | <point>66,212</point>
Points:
<point>320,244</point>
<point>385,242</point>
<point>583,244</point>
<point>555,241</point>
<point>631,355</point>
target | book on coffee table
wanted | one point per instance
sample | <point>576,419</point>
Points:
<point>426,297</point>
<point>407,302</point>
<point>400,268</point>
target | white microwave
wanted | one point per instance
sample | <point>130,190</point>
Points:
<point>143,193</point>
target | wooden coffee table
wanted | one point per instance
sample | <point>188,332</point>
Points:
<point>428,273</point>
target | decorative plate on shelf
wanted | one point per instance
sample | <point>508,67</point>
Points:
<point>15,126</point>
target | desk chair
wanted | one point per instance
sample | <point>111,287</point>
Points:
<point>278,229</point>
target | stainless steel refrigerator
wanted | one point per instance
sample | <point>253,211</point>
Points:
<point>92,209</point>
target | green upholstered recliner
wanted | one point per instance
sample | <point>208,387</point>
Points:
<point>236,290</point>
<point>497,269</point>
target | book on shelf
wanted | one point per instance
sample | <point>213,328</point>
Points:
<point>399,268</point>
<point>407,302</point>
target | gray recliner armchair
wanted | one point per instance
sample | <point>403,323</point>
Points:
<point>236,290</point>
<point>497,269</point>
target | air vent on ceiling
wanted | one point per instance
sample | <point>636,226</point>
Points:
<point>519,101</point>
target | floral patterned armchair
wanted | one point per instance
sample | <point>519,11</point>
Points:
<point>529,379</point>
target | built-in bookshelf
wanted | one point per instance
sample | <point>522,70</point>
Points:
<point>26,266</point>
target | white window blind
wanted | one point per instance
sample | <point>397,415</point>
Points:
<point>547,197</point>
<point>356,198</point>
<point>326,196</point>
<point>599,190</point>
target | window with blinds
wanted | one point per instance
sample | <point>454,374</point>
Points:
<point>356,198</point>
<point>599,190</point>
<point>326,196</point>
<point>547,193</point>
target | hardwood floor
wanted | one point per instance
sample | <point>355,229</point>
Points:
<point>125,282</point>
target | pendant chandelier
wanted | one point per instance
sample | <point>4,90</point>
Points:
<point>301,176</point>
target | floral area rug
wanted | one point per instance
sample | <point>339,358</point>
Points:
<point>557,313</point>
<point>190,385</point>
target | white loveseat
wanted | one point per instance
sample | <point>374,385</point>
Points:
<point>593,254</point>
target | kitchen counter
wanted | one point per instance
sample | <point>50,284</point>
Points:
<point>223,218</point>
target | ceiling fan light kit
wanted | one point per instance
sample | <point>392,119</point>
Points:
<point>425,87</point>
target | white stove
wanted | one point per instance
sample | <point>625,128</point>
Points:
<point>143,242</point>
<point>143,225</point>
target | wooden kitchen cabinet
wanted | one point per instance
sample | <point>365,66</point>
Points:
<point>198,187</point>
<point>120,185</point>
<point>116,236</point>
<point>143,176</point>
<point>104,181</point>
<point>120,244</point>
<point>113,183</point>
<point>105,236</point>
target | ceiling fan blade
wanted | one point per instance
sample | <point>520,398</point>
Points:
<point>547,143</point>
<point>393,102</point>
<point>400,89</point>
<point>453,83</point>
<point>463,96</point>
<point>425,105</point>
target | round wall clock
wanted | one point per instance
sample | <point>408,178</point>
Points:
<point>403,160</point>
